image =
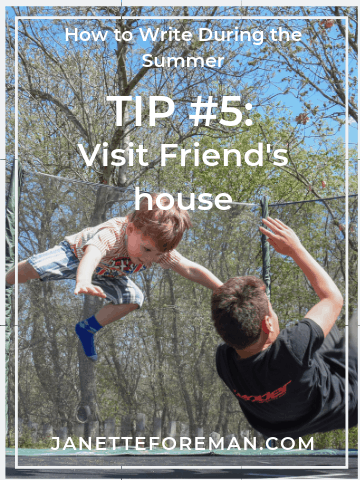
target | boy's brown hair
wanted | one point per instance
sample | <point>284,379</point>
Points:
<point>238,308</point>
<point>164,227</point>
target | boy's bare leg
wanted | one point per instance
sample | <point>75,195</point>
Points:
<point>86,329</point>
<point>25,272</point>
<point>110,313</point>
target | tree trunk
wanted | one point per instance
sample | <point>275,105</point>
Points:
<point>91,306</point>
<point>87,367</point>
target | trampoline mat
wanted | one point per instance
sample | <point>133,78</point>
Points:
<point>119,451</point>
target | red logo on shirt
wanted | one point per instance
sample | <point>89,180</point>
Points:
<point>117,265</point>
<point>267,397</point>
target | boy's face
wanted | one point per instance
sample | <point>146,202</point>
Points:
<point>141,249</point>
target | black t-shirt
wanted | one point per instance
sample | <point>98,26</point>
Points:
<point>294,387</point>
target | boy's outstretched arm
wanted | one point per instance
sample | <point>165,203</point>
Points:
<point>285,241</point>
<point>197,273</point>
<point>85,270</point>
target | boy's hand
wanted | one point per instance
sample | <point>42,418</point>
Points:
<point>89,289</point>
<point>285,241</point>
<point>282,238</point>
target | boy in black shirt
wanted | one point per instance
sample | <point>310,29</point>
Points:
<point>288,383</point>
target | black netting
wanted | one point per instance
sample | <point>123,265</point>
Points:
<point>158,361</point>
<point>321,228</point>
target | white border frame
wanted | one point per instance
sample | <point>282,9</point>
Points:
<point>346,237</point>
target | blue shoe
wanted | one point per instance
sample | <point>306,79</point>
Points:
<point>86,336</point>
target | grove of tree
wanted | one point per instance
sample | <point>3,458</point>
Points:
<point>160,360</point>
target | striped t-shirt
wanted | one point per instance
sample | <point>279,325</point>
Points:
<point>109,238</point>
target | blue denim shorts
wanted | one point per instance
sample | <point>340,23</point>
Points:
<point>60,263</point>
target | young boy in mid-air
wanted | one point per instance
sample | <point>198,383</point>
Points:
<point>101,257</point>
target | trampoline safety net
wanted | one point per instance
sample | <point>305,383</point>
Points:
<point>158,362</point>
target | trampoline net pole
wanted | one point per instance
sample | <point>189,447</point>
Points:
<point>265,248</point>
<point>9,262</point>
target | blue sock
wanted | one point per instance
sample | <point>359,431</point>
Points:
<point>85,330</point>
